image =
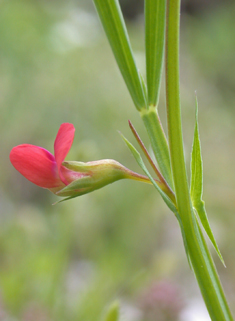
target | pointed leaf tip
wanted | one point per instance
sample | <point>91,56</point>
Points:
<point>140,162</point>
<point>113,312</point>
<point>196,185</point>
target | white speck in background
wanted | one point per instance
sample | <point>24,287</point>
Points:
<point>195,310</point>
<point>78,29</point>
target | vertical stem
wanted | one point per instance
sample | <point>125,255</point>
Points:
<point>201,260</point>
<point>158,142</point>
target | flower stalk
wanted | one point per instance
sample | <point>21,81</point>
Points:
<point>162,183</point>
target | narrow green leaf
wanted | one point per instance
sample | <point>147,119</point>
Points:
<point>166,199</point>
<point>113,313</point>
<point>155,18</point>
<point>140,162</point>
<point>196,184</point>
<point>113,23</point>
<point>184,239</point>
<point>196,187</point>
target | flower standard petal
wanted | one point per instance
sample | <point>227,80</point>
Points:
<point>36,164</point>
<point>62,145</point>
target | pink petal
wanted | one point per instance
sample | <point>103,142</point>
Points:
<point>62,145</point>
<point>70,175</point>
<point>36,164</point>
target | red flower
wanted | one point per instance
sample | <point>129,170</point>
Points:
<point>42,168</point>
<point>67,178</point>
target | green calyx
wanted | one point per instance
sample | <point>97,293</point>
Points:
<point>95,175</point>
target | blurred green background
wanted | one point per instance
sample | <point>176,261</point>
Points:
<point>70,261</point>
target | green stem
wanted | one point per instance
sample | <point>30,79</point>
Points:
<point>158,142</point>
<point>201,260</point>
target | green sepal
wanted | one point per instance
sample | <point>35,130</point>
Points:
<point>113,312</point>
<point>196,186</point>
<point>64,199</point>
<point>93,175</point>
<point>77,188</point>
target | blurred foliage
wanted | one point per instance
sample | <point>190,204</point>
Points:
<point>71,260</point>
